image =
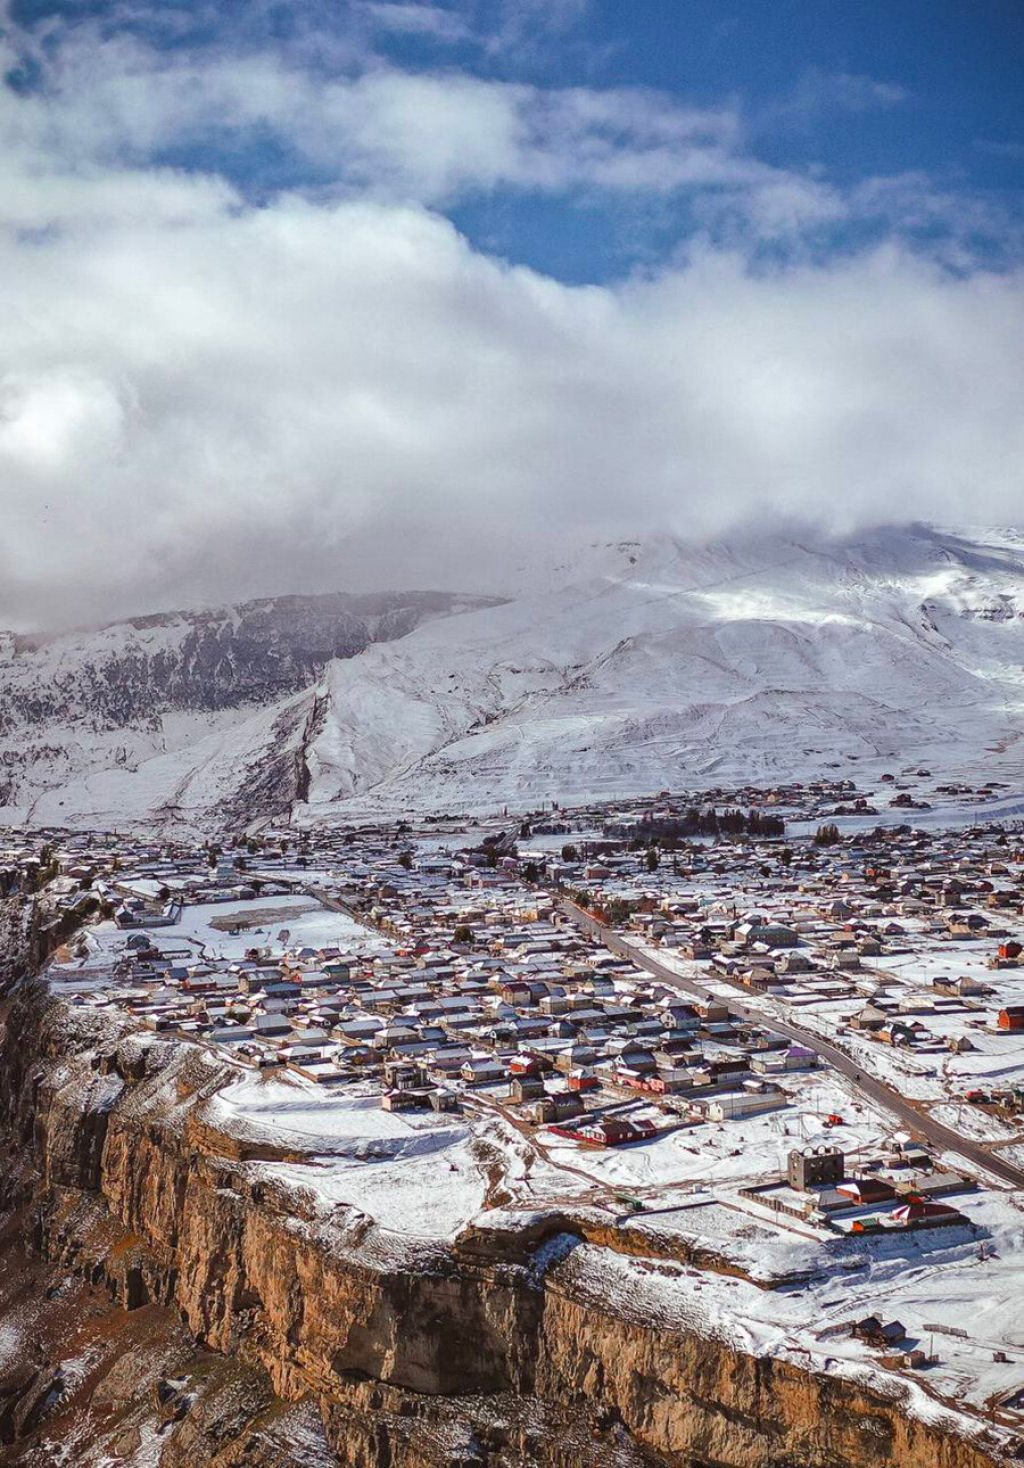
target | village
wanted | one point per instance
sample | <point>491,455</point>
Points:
<point>461,1022</point>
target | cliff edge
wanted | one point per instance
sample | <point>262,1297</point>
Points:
<point>163,1302</point>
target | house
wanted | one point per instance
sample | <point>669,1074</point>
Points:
<point>868,1018</point>
<point>681,1017</point>
<point>712,1012</point>
<point>267,1026</point>
<point>872,1330</point>
<point>898,1033</point>
<point>582,1080</point>
<point>526,1088</point>
<point>312,1068</point>
<point>556,1106</point>
<point>402,1076</point>
<point>524,1065</point>
<point>575,1056</point>
<point>773,935</point>
<point>763,979</point>
<point>799,1057</point>
<point>728,1105</point>
<point>864,1191</point>
<point>633,1056</point>
<point>697,951</point>
<point>961,986</point>
<point>611,1131</point>
<point>1011,1017</point>
<point>483,1071</point>
<point>408,1098</point>
<point>917,1213</point>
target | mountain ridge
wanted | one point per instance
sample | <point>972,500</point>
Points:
<point>125,693</point>
<point>639,664</point>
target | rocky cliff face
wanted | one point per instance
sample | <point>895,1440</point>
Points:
<point>247,1307</point>
<point>16,924</point>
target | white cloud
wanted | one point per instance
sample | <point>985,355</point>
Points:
<point>202,408</point>
<point>203,397</point>
<point>427,136</point>
<point>527,28</point>
<point>819,92</point>
<point>417,19</point>
<point>363,127</point>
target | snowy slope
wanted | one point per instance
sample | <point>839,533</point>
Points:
<point>664,664</point>
<point>634,667</point>
<point>174,714</point>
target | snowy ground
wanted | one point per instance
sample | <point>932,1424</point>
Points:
<point>426,1175</point>
<point>423,1195</point>
<point>736,1152</point>
<point>220,930</point>
<point>305,921</point>
<point>416,1175</point>
<point>932,1283</point>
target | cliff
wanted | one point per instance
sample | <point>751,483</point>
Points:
<point>16,939</point>
<point>157,1239</point>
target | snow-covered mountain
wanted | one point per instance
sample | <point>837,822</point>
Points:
<point>134,720</point>
<point>637,666</point>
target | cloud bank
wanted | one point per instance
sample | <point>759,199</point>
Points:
<point>207,392</point>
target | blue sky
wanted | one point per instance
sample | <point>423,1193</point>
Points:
<point>904,119</point>
<point>382,291</point>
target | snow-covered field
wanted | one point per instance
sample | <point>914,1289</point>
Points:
<point>417,1176</point>
<point>303,919</point>
<point>735,1153</point>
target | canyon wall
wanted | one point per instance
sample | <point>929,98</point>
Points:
<point>117,1185</point>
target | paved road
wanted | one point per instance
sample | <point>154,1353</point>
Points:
<point>934,1132</point>
<point>335,904</point>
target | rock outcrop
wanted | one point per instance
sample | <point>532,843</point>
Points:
<point>271,1330</point>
